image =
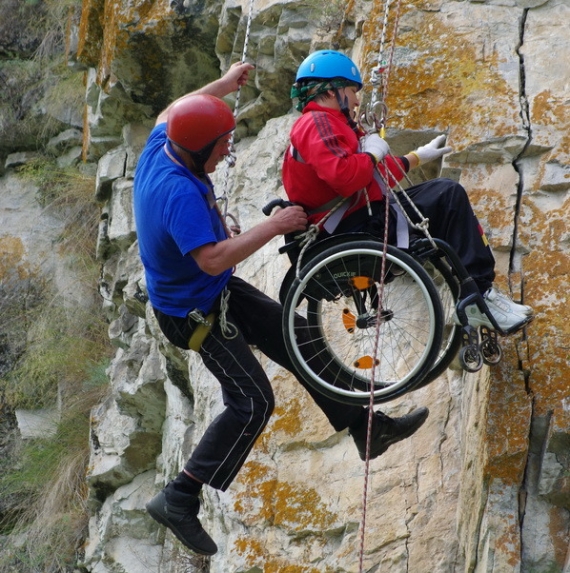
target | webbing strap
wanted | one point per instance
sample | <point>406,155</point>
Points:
<point>335,218</point>
<point>402,231</point>
<point>200,332</point>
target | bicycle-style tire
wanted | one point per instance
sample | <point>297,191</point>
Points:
<point>342,322</point>
<point>448,289</point>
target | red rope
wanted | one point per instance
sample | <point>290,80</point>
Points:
<point>372,378</point>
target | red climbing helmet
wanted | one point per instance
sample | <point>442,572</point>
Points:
<point>197,121</point>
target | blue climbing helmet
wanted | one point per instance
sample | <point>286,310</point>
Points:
<point>328,65</point>
<point>322,71</point>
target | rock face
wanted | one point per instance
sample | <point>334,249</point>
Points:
<point>483,487</point>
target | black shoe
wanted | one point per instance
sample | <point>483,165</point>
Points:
<point>386,431</point>
<point>179,512</point>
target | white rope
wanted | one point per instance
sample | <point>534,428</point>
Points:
<point>375,114</point>
<point>375,117</point>
<point>231,158</point>
<point>377,122</point>
<point>229,330</point>
<point>423,224</point>
<point>376,78</point>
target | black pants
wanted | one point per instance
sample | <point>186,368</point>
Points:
<point>451,218</point>
<point>246,390</point>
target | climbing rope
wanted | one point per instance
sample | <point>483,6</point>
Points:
<point>422,226</point>
<point>371,403</point>
<point>375,115</point>
<point>224,199</point>
<point>229,330</point>
<point>372,120</point>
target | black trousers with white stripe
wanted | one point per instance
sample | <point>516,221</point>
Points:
<point>246,390</point>
<point>451,218</point>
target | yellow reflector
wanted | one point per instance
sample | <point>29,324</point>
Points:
<point>366,362</point>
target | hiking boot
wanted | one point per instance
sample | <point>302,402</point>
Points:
<point>509,315</point>
<point>179,512</point>
<point>386,431</point>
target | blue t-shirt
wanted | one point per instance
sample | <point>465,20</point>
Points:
<point>173,216</point>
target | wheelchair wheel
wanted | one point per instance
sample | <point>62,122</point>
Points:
<point>448,291</point>
<point>344,323</point>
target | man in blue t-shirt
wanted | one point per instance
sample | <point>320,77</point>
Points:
<point>189,256</point>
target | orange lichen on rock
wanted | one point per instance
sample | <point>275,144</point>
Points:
<point>292,506</point>
<point>90,32</point>
<point>12,253</point>
<point>265,501</point>
<point>256,554</point>
<point>108,27</point>
<point>454,84</point>
<point>287,418</point>
<point>546,109</point>
<point>509,544</point>
<point>558,522</point>
<point>508,419</point>
<point>550,111</point>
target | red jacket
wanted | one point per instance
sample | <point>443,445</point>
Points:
<point>324,161</point>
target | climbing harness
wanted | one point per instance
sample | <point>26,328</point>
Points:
<point>204,325</point>
<point>398,191</point>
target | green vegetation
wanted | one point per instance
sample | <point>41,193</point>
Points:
<point>59,352</point>
<point>55,351</point>
<point>330,14</point>
<point>38,86</point>
<point>48,490</point>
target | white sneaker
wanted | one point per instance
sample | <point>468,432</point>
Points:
<point>507,313</point>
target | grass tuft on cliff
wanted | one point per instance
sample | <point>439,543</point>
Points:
<point>48,491</point>
<point>57,351</point>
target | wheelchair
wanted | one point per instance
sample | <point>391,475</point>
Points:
<point>366,321</point>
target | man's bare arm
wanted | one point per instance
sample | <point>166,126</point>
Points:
<point>215,258</point>
<point>236,76</point>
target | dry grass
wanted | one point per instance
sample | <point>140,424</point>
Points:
<point>62,353</point>
<point>50,489</point>
<point>51,347</point>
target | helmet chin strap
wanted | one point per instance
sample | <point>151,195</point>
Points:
<point>200,157</point>
<point>343,104</point>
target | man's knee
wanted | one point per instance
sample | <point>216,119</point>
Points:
<point>255,411</point>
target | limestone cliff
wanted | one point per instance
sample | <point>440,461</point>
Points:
<point>484,486</point>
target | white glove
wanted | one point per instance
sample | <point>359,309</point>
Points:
<point>432,150</point>
<point>375,145</point>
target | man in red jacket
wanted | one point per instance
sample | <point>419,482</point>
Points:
<point>331,158</point>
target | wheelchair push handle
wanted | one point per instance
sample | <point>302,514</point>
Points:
<point>281,203</point>
<point>268,209</point>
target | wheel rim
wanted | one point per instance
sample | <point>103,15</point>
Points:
<point>407,329</point>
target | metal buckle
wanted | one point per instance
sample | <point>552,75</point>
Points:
<point>198,316</point>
